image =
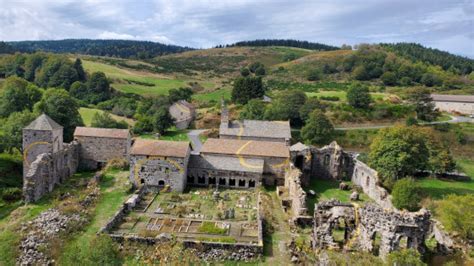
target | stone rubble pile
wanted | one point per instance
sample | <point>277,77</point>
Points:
<point>47,225</point>
<point>217,254</point>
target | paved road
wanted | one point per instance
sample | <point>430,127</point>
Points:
<point>454,119</point>
<point>195,141</point>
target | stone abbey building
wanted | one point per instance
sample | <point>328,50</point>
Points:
<point>247,155</point>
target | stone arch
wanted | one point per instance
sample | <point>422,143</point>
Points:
<point>161,183</point>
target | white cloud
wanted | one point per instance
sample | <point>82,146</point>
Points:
<point>205,23</point>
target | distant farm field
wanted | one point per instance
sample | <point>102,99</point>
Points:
<point>88,113</point>
<point>342,95</point>
<point>138,82</point>
<point>214,95</point>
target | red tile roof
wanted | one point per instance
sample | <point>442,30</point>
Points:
<point>147,147</point>
<point>246,148</point>
<point>101,132</point>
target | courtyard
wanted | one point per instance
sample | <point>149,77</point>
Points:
<point>201,214</point>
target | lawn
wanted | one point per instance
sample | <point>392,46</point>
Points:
<point>342,95</point>
<point>326,190</point>
<point>88,113</point>
<point>173,134</point>
<point>216,95</point>
<point>438,188</point>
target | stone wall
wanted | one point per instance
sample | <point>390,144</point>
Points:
<point>48,170</point>
<point>159,171</point>
<point>363,226</point>
<point>331,162</point>
<point>95,150</point>
<point>464,108</point>
<point>395,228</point>
<point>295,196</point>
<point>367,178</point>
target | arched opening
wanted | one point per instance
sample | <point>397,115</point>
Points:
<point>142,181</point>
<point>212,180</point>
<point>251,183</point>
<point>190,179</point>
<point>222,181</point>
<point>241,182</point>
<point>299,162</point>
<point>232,182</point>
<point>367,181</point>
<point>376,242</point>
<point>339,231</point>
<point>403,242</point>
<point>201,180</point>
<point>326,159</point>
<point>161,183</point>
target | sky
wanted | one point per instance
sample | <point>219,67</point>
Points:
<point>444,24</point>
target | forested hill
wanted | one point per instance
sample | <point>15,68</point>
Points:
<point>113,48</point>
<point>288,43</point>
<point>447,61</point>
<point>5,48</point>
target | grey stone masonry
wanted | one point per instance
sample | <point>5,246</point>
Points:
<point>159,171</point>
<point>47,161</point>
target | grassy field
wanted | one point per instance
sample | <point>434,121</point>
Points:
<point>326,190</point>
<point>438,188</point>
<point>114,189</point>
<point>88,113</point>
<point>140,82</point>
<point>216,95</point>
<point>342,95</point>
<point>173,134</point>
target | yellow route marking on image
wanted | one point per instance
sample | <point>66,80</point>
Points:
<point>25,153</point>
<point>180,107</point>
<point>242,159</point>
<point>350,243</point>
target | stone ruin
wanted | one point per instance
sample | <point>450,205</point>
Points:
<point>365,225</point>
<point>293,197</point>
<point>379,221</point>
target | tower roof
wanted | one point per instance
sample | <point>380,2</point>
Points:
<point>43,122</point>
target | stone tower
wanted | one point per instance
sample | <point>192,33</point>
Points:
<point>41,136</point>
<point>224,114</point>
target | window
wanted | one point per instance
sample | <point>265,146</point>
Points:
<point>161,183</point>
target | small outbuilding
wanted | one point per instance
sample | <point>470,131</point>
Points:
<point>99,145</point>
<point>183,114</point>
<point>159,163</point>
<point>463,104</point>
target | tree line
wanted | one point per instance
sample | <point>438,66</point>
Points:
<point>417,52</point>
<point>287,43</point>
<point>112,48</point>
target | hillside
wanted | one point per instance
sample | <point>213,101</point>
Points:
<point>113,48</point>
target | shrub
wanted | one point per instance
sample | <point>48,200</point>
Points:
<point>11,194</point>
<point>405,257</point>
<point>411,121</point>
<point>406,194</point>
<point>117,164</point>
<point>101,250</point>
<point>455,212</point>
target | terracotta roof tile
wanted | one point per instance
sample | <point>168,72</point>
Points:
<point>246,148</point>
<point>101,132</point>
<point>160,148</point>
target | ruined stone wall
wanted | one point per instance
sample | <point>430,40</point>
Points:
<point>159,171</point>
<point>96,150</point>
<point>295,195</point>
<point>368,224</point>
<point>48,170</point>
<point>367,178</point>
<point>394,227</point>
<point>331,162</point>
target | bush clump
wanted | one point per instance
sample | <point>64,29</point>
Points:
<point>11,194</point>
<point>406,194</point>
